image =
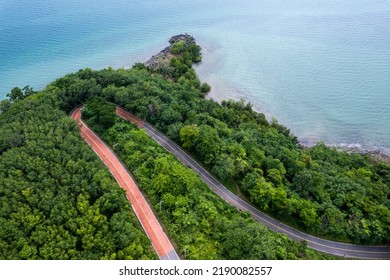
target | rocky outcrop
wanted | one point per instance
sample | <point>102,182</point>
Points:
<point>163,57</point>
<point>188,39</point>
<point>357,149</point>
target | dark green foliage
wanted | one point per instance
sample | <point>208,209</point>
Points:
<point>71,91</point>
<point>4,105</point>
<point>180,67</point>
<point>204,88</point>
<point>303,186</point>
<point>199,221</point>
<point>57,200</point>
<point>178,47</point>
<point>19,94</point>
<point>15,94</point>
<point>99,113</point>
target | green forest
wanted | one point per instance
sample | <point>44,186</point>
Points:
<point>202,225</point>
<point>59,202</point>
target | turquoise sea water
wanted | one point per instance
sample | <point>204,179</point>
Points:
<point>322,67</point>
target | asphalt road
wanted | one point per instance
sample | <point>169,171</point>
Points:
<point>319,244</point>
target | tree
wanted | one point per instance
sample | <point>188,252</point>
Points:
<point>224,167</point>
<point>178,47</point>
<point>205,88</point>
<point>275,177</point>
<point>209,144</point>
<point>308,184</point>
<point>19,94</point>
<point>189,135</point>
<point>262,194</point>
<point>100,112</point>
<point>15,94</point>
<point>4,105</point>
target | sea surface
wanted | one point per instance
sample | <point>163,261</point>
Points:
<point>321,67</point>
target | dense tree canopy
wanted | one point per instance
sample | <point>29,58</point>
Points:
<point>100,114</point>
<point>323,191</point>
<point>58,202</point>
<point>198,220</point>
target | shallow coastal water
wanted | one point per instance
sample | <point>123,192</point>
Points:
<point>322,67</point>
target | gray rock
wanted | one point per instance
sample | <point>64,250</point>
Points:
<point>156,61</point>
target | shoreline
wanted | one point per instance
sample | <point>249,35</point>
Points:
<point>353,148</point>
<point>375,154</point>
<point>221,89</point>
<point>211,59</point>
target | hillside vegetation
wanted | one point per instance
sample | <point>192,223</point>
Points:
<point>57,200</point>
<point>51,182</point>
<point>201,223</point>
<point>329,193</point>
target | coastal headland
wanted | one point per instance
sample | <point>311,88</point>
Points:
<point>164,56</point>
<point>64,190</point>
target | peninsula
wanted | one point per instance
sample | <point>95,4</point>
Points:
<point>321,191</point>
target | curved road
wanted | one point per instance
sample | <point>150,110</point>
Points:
<point>323,245</point>
<point>150,224</point>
